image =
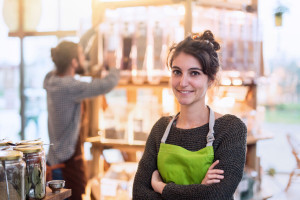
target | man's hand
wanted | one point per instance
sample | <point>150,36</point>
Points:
<point>111,60</point>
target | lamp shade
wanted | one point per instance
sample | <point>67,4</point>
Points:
<point>32,14</point>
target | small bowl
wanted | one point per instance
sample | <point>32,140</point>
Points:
<point>56,185</point>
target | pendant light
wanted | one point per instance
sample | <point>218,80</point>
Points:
<point>32,13</point>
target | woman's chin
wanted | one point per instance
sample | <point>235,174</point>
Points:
<point>184,102</point>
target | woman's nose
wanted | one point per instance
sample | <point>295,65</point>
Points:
<point>184,80</point>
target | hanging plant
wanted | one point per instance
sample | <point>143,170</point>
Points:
<point>279,11</point>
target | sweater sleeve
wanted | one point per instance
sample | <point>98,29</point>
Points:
<point>231,153</point>
<point>142,188</point>
<point>82,90</point>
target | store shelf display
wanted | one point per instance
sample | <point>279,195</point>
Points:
<point>140,41</point>
<point>238,33</point>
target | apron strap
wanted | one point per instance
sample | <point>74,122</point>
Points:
<point>164,138</point>
<point>210,136</point>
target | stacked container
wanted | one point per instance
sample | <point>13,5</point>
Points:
<point>12,172</point>
<point>35,173</point>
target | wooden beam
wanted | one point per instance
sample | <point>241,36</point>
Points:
<point>135,3</point>
<point>34,33</point>
<point>227,5</point>
<point>188,18</point>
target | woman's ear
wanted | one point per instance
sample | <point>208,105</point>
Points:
<point>210,83</point>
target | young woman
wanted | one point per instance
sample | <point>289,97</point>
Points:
<point>197,154</point>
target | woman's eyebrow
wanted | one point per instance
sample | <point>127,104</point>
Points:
<point>190,69</point>
<point>195,68</point>
<point>175,67</point>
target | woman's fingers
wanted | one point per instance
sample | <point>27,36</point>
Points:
<point>212,181</point>
<point>215,171</point>
<point>213,175</point>
<point>214,164</point>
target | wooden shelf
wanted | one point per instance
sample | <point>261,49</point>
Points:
<point>133,3</point>
<point>35,33</point>
<point>117,143</point>
<point>145,85</point>
<point>254,139</point>
<point>242,5</point>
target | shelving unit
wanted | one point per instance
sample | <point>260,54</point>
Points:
<point>99,144</point>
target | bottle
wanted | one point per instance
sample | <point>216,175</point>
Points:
<point>111,43</point>
<point>126,54</point>
<point>109,123</point>
<point>12,172</point>
<point>156,70</point>
<point>139,63</point>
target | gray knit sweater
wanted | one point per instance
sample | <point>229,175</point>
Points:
<point>229,147</point>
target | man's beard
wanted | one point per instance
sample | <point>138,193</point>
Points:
<point>80,70</point>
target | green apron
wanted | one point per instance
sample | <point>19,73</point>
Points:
<point>183,167</point>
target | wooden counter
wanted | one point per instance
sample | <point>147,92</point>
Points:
<point>63,194</point>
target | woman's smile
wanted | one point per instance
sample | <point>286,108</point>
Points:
<point>185,91</point>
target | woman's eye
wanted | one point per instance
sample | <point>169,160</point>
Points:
<point>195,73</point>
<point>176,72</point>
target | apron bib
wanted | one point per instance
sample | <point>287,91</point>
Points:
<point>181,166</point>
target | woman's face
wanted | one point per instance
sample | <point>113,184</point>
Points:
<point>189,83</point>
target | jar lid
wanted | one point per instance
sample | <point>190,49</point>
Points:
<point>30,142</point>
<point>5,142</point>
<point>10,155</point>
<point>26,149</point>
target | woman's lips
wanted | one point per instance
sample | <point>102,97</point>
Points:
<point>184,91</point>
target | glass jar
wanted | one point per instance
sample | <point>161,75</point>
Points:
<point>35,173</point>
<point>12,172</point>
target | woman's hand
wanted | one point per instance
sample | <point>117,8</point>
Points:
<point>157,183</point>
<point>212,175</point>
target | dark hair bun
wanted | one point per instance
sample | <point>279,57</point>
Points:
<point>208,37</point>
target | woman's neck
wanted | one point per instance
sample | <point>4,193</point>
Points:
<point>191,117</point>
